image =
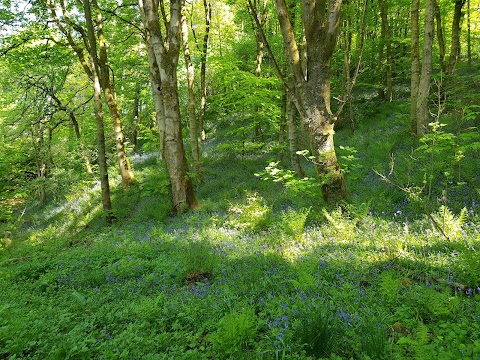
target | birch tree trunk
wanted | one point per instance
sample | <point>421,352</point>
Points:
<point>166,53</point>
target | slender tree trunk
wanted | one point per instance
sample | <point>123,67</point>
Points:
<point>415,68</point>
<point>422,112</point>
<point>259,8</point>
<point>203,68</point>
<point>110,96</point>
<point>469,36</point>
<point>258,74</point>
<point>166,56</point>
<point>440,37</point>
<point>102,159</point>
<point>283,120</point>
<point>350,81</point>
<point>136,120</point>
<point>90,41</point>
<point>192,116</point>
<point>456,25</point>
<point>42,156</point>
<point>386,35</point>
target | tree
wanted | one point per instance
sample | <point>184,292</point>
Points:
<point>311,90</point>
<point>456,24</point>
<point>421,86</point>
<point>386,37</point>
<point>163,57</point>
<point>203,68</point>
<point>98,55</point>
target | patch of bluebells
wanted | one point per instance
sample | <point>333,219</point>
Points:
<point>344,315</point>
<point>279,332</point>
<point>201,289</point>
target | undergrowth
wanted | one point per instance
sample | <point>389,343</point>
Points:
<point>262,271</point>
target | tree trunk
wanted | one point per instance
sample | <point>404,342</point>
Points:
<point>469,36</point>
<point>203,68</point>
<point>136,120</point>
<point>166,57</point>
<point>110,97</point>
<point>312,92</point>
<point>415,68</point>
<point>456,25</point>
<point>386,35</point>
<point>422,112</point>
<point>440,37</point>
<point>259,10</point>
<point>90,41</point>
<point>102,159</point>
<point>192,116</point>
<point>283,125</point>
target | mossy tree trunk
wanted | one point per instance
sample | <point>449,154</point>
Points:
<point>311,91</point>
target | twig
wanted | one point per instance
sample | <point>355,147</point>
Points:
<point>406,191</point>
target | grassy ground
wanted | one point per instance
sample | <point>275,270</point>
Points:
<point>262,271</point>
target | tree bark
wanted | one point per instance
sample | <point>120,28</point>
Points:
<point>415,67</point>
<point>110,96</point>
<point>102,159</point>
<point>203,69</point>
<point>386,35</point>
<point>469,36</point>
<point>136,120</point>
<point>312,90</point>
<point>258,10</point>
<point>422,112</point>
<point>90,41</point>
<point>440,37</point>
<point>456,25</point>
<point>166,56</point>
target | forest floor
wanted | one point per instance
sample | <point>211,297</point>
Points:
<point>264,270</point>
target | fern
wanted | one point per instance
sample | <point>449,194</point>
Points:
<point>447,223</point>
<point>344,228</point>
<point>389,286</point>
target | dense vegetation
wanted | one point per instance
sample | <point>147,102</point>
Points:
<point>258,264</point>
